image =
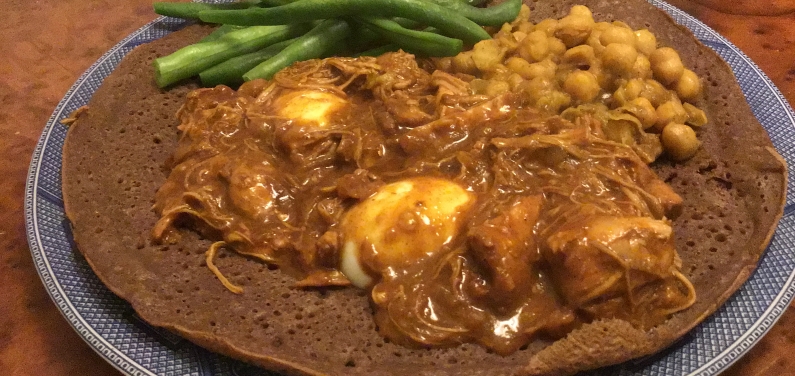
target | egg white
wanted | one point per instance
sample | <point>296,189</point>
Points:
<point>309,106</point>
<point>402,223</point>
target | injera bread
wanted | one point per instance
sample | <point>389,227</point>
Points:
<point>114,161</point>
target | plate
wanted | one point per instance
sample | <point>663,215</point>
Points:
<point>110,326</point>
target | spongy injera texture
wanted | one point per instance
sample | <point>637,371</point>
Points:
<point>114,161</point>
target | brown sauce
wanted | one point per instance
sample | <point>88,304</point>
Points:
<point>566,226</point>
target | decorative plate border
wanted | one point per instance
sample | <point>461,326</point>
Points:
<point>36,195</point>
<point>142,350</point>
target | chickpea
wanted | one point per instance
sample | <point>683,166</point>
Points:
<point>530,71</point>
<point>634,87</point>
<point>444,63</point>
<point>580,56</point>
<point>479,86</point>
<point>536,88</point>
<point>645,41</point>
<point>621,24</point>
<point>602,26</point>
<point>619,57</point>
<point>534,47</point>
<point>553,101</point>
<point>498,72</point>
<point>542,84</point>
<point>695,116</point>
<point>642,109</point>
<point>574,29</point>
<point>617,34</point>
<point>506,28</point>
<point>679,141</point>
<point>641,68</point>
<point>581,85</point>
<point>545,68</point>
<point>669,112</point>
<point>621,130</point>
<point>514,80</point>
<point>594,41</point>
<point>506,38</point>
<point>556,47</point>
<point>620,97</point>
<point>548,26</point>
<point>666,65</point>
<point>522,17</point>
<point>655,92</point>
<point>486,54</point>
<point>463,63</point>
<point>519,66</point>
<point>525,27</point>
<point>560,76</point>
<point>689,86</point>
<point>604,77</point>
<point>580,10</point>
<point>628,92</point>
<point>497,87</point>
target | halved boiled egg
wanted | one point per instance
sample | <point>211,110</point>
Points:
<point>401,224</point>
<point>309,106</point>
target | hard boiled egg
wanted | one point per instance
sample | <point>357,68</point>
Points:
<point>309,106</point>
<point>401,224</point>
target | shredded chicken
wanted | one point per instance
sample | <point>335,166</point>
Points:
<point>569,225</point>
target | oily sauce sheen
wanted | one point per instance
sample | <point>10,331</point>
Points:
<point>470,217</point>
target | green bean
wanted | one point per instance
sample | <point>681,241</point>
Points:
<point>191,10</point>
<point>489,16</point>
<point>425,12</point>
<point>378,51</point>
<point>414,41</point>
<point>311,45</point>
<point>220,31</point>
<point>338,48</point>
<point>407,23</point>
<point>191,60</point>
<point>362,38</point>
<point>275,3</point>
<point>473,3</point>
<point>231,72</point>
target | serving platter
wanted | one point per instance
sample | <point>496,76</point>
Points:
<point>110,326</point>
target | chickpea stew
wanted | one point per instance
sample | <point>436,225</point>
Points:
<point>636,87</point>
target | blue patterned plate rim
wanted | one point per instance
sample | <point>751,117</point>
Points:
<point>707,350</point>
<point>34,190</point>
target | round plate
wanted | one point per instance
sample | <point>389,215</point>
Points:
<point>110,326</point>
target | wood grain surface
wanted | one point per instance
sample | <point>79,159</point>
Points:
<point>45,45</point>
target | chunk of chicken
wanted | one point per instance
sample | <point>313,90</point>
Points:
<point>592,258</point>
<point>505,246</point>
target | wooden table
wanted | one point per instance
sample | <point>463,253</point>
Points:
<point>46,44</point>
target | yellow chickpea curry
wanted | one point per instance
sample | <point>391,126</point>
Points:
<point>497,197</point>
